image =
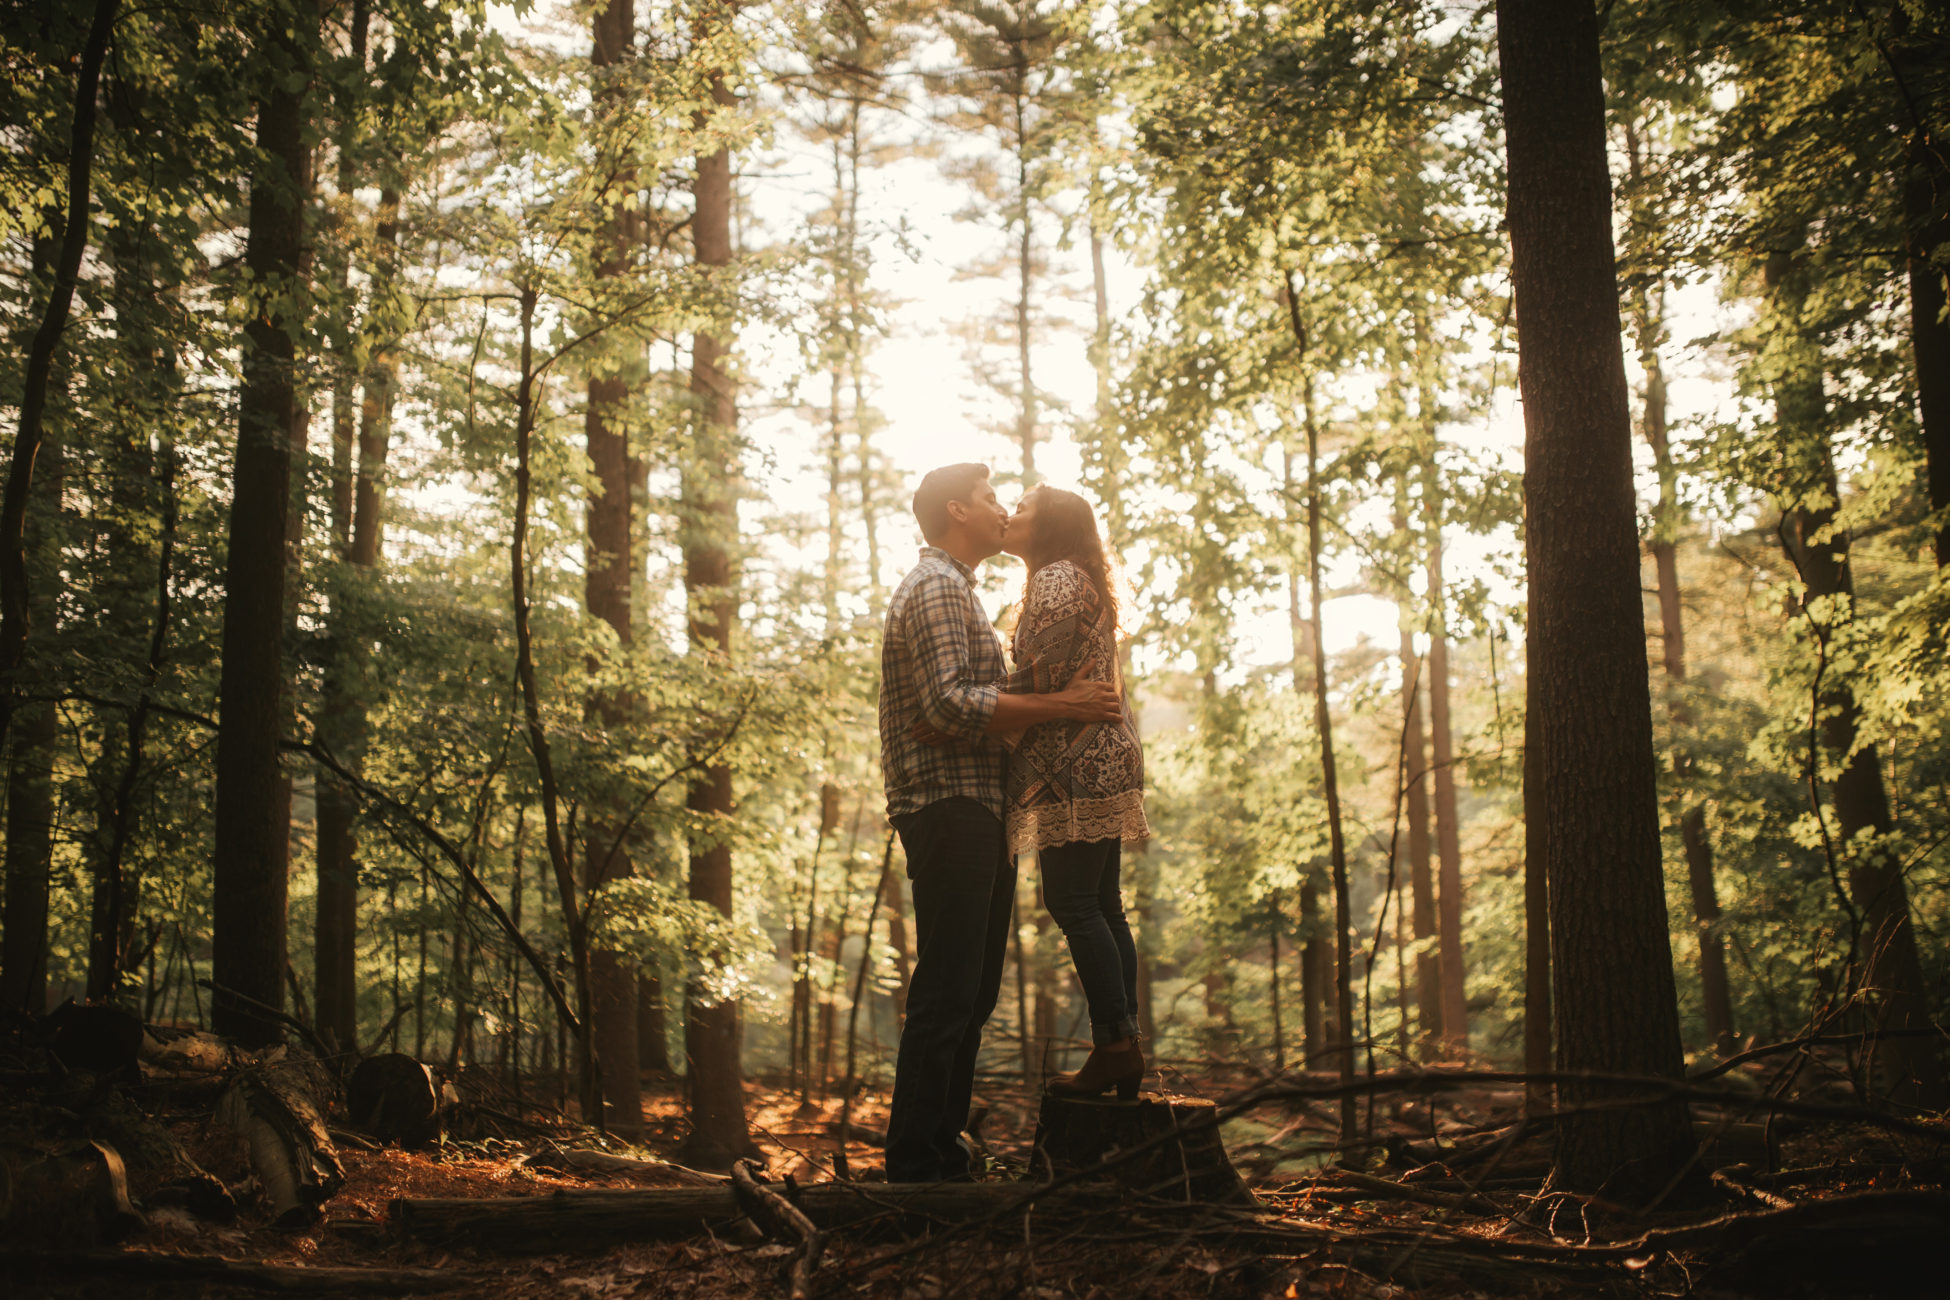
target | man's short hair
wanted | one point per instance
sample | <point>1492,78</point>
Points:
<point>938,488</point>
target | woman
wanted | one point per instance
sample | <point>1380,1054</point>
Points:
<point>1076,790</point>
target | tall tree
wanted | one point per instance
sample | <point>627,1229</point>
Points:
<point>1448,827</point>
<point>1415,771</point>
<point>1324,728</point>
<point>36,381</point>
<point>346,699</point>
<point>709,530</point>
<point>1883,945</point>
<point>609,545</point>
<point>1916,53</point>
<point>1593,812</point>
<point>252,830</point>
<point>30,795</point>
<point>336,917</point>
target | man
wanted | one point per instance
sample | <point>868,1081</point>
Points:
<point>940,668</point>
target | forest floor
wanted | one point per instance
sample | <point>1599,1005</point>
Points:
<point>1399,1226</point>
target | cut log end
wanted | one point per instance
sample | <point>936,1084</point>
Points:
<point>1157,1146</point>
<point>290,1150</point>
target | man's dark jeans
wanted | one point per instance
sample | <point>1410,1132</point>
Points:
<point>964,892</point>
<point>1080,888</point>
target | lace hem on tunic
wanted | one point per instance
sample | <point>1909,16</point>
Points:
<point>1079,821</point>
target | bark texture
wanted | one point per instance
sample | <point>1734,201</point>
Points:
<point>1415,800</point>
<point>608,547</point>
<point>1448,830</point>
<point>712,1034</point>
<point>252,851</point>
<point>1591,801</point>
<point>1926,202</point>
<point>335,937</point>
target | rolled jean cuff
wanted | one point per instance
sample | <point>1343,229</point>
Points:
<point>1115,1032</point>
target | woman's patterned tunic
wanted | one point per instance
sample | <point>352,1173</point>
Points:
<point>1070,781</point>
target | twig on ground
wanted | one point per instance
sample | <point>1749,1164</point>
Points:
<point>780,1220</point>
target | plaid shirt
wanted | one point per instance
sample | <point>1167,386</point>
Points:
<point>941,664</point>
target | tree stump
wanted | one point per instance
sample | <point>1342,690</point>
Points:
<point>1157,1146</point>
<point>395,1099</point>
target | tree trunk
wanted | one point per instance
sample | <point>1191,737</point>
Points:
<point>608,548</point>
<point>802,954</point>
<point>1313,978</point>
<point>1593,803</point>
<point>1716,999</point>
<point>1926,204</point>
<point>1448,831</point>
<point>1714,991</point>
<point>719,1132</point>
<point>1536,953</point>
<point>652,1035</point>
<point>335,937</point>
<point>30,771</point>
<point>574,920</point>
<point>139,608</point>
<point>1273,985</point>
<point>252,847</point>
<point>354,503</point>
<point>1440,783</point>
<point>30,848</point>
<point>512,1039</point>
<point>1884,942</point>
<point>1324,727</point>
<point>1428,961</point>
<point>903,951</point>
<point>37,375</point>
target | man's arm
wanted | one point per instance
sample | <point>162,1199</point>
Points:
<point>1080,701</point>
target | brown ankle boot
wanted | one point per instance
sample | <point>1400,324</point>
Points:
<point>1115,1065</point>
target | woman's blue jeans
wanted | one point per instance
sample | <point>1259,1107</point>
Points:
<point>1080,888</point>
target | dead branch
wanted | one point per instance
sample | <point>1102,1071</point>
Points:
<point>782,1221</point>
<point>569,1159</point>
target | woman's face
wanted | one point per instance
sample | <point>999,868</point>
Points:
<point>1019,539</point>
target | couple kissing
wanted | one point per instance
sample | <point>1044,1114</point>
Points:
<point>986,758</point>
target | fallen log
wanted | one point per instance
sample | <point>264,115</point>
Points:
<point>1880,1243</point>
<point>155,1266</point>
<point>290,1150</point>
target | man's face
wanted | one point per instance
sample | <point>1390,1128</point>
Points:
<point>984,519</point>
